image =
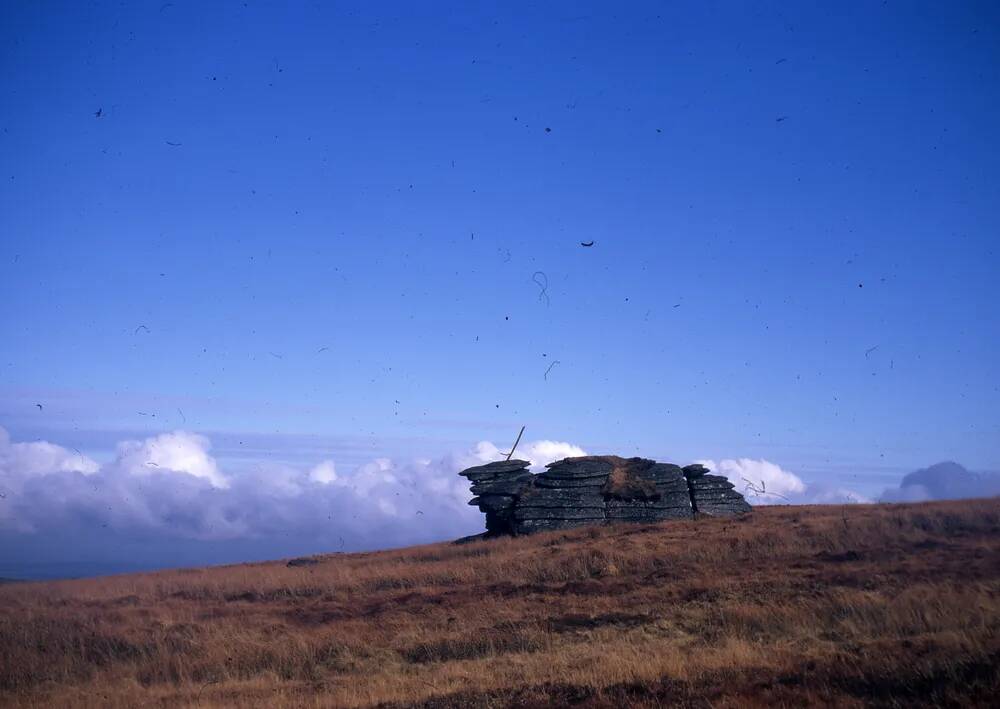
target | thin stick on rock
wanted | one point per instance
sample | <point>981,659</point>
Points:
<point>515,443</point>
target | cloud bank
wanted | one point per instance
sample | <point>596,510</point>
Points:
<point>167,493</point>
<point>170,487</point>
<point>765,483</point>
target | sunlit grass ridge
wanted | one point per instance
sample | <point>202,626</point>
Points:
<point>892,604</point>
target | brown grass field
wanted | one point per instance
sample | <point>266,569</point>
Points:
<point>888,605</point>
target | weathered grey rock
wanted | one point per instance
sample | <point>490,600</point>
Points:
<point>542,481</point>
<point>665,491</point>
<point>495,477</point>
<point>701,502</point>
<point>714,492</point>
<point>695,470</point>
<point>714,495</point>
<point>639,515</point>
<point>666,470</point>
<point>596,490</point>
<point>661,504</point>
<point>502,487</point>
<point>582,466</point>
<point>706,482</point>
<point>499,524</point>
<point>595,513</point>
<point>529,526</point>
<point>495,502</point>
<point>498,466</point>
<point>726,510</point>
<point>589,505</point>
<point>711,484</point>
<point>565,497</point>
<point>665,475</point>
<point>719,492</point>
<point>673,507</point>
<point>490,470</point>
<point>679,482</point>
<point>571,474</point>
<point>718,500</point>
<point>712,489</point>
<point>667,488</point>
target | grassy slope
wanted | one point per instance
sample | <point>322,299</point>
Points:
<point>896,604</point>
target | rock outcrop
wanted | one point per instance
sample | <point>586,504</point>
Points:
<point>713,494</point>
<point>596,490</point>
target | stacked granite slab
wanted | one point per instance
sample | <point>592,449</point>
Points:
<point>713,495</point>
<point>496,486</point>
<point>568,494</point>
<point>668,499</point>
<point>596,490</point>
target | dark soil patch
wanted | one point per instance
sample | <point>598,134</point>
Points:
<point>573,623</point>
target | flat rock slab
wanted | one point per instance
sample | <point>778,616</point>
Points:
<point>618,511</point>
<point>586,464</point>
<point>497,468</point>
<point>504,487</point>
<point>712,487</point>
<point>696,470</point>
<point>665,469</point>
<point>711,481</point>
<point>569,496</point>
<point>663,472</point>
<point>672,490</point>
<point>573,474</point>
<point>649,515</point>
<point>661,504</point>
<point>597,482</point>
<point>717,495</point>
<point>529,526</point>
<point>494,502</point>
<point>488,477</point>
<point>588,504</point>
<point>558,513</point>
<point>724,510</point>
<point>680,485</point>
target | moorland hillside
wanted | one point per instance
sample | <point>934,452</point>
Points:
<point>895,605</point>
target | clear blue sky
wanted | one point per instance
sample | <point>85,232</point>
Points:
<point>793,208</point>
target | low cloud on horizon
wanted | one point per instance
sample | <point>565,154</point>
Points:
<point>167,491</point>
<point>765,483</point>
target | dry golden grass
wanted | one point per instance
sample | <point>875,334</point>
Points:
<point>887,605</point>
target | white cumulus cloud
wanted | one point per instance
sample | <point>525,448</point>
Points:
<point>40,458</point>
<point>325,472</point>
<point>770,480</point>
<point>179,452</point>
<point>538,453</point>
<point>765,483</point>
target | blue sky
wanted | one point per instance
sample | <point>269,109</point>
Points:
<point>299,227</point>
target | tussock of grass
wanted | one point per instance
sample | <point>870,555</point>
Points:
<point>893,605</point>
<point>624,483</point>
